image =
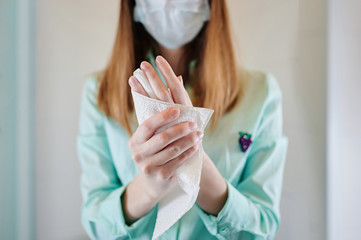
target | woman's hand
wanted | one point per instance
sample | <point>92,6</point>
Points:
<point>158,156</point>
<point>176,92</point>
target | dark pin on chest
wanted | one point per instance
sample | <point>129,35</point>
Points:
<point>245,140</point>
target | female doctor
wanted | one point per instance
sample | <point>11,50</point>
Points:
<point>127,168</point>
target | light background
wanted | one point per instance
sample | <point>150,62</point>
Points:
<point>75,38</point>
<point>311,46</point>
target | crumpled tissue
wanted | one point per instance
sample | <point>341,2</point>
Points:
<point>180,199</point>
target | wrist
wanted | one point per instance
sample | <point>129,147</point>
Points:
<point>135,201</point>
<point>213,188</point>
<point>143,189</point>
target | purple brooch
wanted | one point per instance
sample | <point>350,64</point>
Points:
<point>245,141</point>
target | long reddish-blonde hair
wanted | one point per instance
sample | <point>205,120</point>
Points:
<point>215,78</point>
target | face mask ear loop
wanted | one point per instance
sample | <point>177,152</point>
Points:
<point>137,13</point>
<point>207,10</point>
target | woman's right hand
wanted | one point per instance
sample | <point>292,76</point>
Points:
<point>158,156</point>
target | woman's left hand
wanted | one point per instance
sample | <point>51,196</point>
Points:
<point>175,94</point>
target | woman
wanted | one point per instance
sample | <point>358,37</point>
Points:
<point>128,169</point>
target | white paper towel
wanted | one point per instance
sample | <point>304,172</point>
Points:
<point>177,202</point>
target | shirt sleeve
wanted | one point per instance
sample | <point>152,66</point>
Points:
<point>102,213</point>
<point>252,207</point>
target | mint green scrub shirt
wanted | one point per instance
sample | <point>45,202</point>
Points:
<point>254,177</point>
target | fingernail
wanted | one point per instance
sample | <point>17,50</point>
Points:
<point>180,78</point>
<point>174,112</point>
<point>131,81</point>
<point>192,126</point>
<point>144,66</point>
<point>160,59</point>
<point>199,135</point>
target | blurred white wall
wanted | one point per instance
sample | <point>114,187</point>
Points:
<point>344,125</point>
<point>288,39</point>
<point>285,37</point>
<point>73,39</point>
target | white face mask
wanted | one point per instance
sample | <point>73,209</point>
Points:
<point>172,23</point>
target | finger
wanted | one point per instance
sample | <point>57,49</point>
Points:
<point>171,134</point>
<point>176,148</point>
<point>157,84</point>
<point>143,80</point>
<point>149,126</point>
<point>136,86</point>
<point>167,170</point>
<point>188,100</point>
<point>180,78</point>
<point>172,81</point>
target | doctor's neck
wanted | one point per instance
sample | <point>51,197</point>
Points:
<point>174,57</point>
